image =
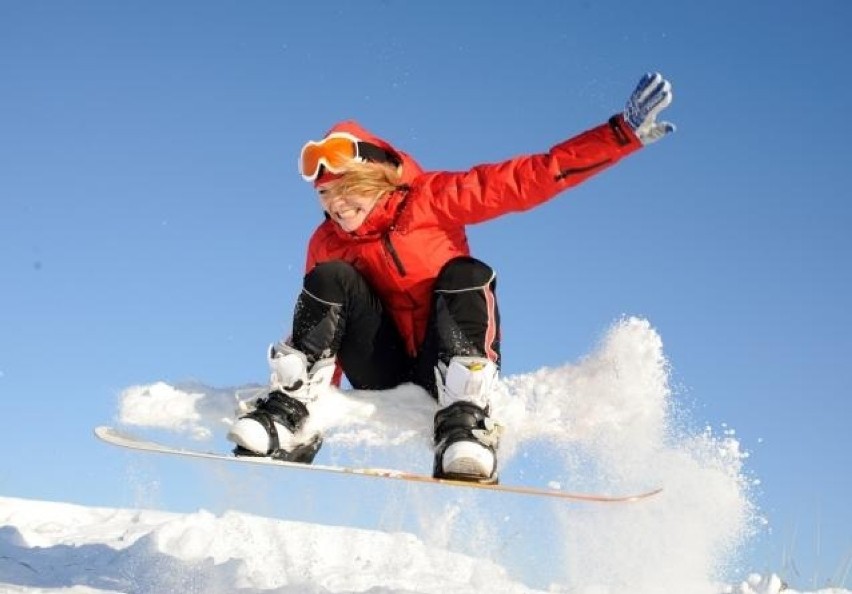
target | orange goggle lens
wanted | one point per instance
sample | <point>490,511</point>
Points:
<point>333,152</point>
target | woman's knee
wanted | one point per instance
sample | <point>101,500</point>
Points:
<point>331,281</point>
<point>464,272</point>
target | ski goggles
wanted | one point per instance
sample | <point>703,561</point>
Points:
<point>336,150</point>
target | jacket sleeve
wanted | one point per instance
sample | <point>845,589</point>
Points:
<point>311,257</point>
<point>314,256</point>
<point>492,190</point>
<point>317,245</point>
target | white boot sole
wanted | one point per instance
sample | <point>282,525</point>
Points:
<point>468,458</point>
<point>250,435</point>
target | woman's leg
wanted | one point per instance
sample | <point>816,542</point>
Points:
<point>459,364</point>
<point>465,319</point>
<point>338,314</point>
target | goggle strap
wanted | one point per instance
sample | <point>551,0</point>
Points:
<point>376,154</point>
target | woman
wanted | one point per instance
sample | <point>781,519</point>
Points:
<point>392,294</point>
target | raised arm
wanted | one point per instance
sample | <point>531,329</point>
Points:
<point>491,190</point>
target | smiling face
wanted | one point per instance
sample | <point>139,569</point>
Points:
<point>347,210</point>
<point>349,197</point>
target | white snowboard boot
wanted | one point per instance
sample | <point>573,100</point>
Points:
<point>466,437</point>
<point>276,427</point>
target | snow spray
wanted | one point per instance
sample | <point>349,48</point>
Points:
<point>610,420</point>
<point>608,423</point>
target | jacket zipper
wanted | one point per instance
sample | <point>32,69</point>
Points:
<point>392,251</point>
<point>580,170</point>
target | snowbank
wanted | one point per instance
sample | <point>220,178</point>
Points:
<point>55,547</point>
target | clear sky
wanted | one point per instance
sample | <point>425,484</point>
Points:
<point>152,222</point>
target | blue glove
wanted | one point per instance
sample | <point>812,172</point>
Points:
<point>652,95</point>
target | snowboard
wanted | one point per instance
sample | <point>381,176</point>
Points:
<point>124,439</point>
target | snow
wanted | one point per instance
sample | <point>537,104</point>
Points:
<point>46,547</point>
<point>55,547</point>
<point>608,423</point>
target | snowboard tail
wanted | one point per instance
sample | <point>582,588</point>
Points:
<point>124,439</point>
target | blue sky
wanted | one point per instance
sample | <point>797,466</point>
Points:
<point>152,223</point>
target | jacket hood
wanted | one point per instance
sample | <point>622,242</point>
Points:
<point>410,168</point>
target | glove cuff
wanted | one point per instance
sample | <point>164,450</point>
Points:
<point>623,131</point>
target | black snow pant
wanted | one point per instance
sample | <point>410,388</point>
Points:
<point>338,314</point>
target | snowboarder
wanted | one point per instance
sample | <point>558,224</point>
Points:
<point>391,293</point>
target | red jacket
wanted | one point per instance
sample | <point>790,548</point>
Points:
<point>408,237</point>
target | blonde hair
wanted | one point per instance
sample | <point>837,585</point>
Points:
<point>365,179</point>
